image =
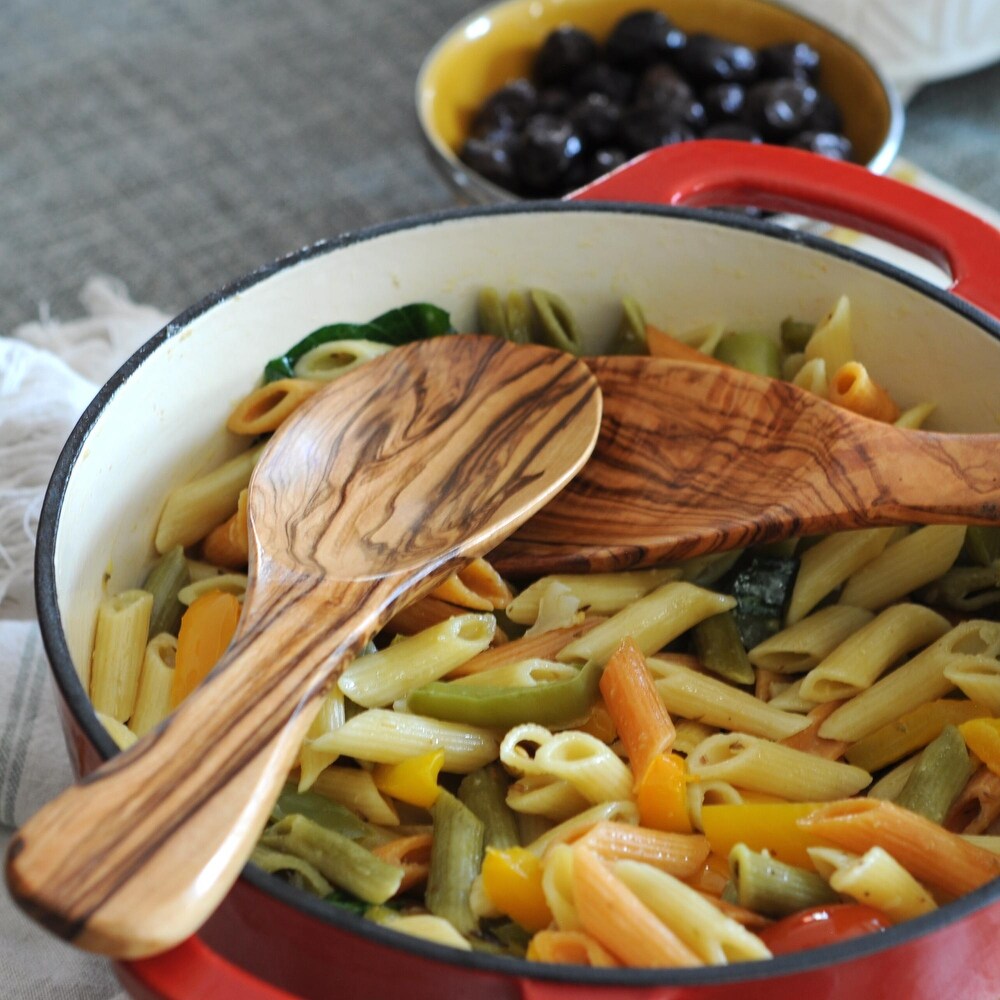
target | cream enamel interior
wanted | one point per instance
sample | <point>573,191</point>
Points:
<point>165,423</point>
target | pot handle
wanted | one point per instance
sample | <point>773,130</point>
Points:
<point>717,172</point>
<point>192,969</point>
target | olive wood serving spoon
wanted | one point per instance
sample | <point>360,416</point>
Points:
<point>370,495</point>
<point>696,458</point>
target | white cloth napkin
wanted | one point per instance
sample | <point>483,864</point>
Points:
<point>49,371</point>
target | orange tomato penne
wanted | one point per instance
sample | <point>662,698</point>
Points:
<point>642,720</point>
<point>932,855</point>
<point>854,389</point>
<point>662,345</point>
<point>808,740</point>
<point>545,645</point>
<point>977,805</point>
<point>477,586</point>
<point>266,408</point>
<point>228,545</point>
<point>569,948</point>
<point>611,913</point>
<point>412,853</point>
<point>679,854</point>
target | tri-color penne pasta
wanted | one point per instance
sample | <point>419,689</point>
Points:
<point>647,767</point>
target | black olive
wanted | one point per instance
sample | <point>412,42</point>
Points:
<point>651,126</point>
<point>707,60</point>
<point>827,116</point>
<point>798,60</point>
<point>507,108</point>
<point>642,38</point>
<point>555,101</point>
<point>491,158</point>
<point>723,101</point>
<point>564,53</point>
<point>831,144</point>
<point>547,147</point>
<point>661,84</point>
<point>600,78</point>
<point>732,130</point>
<point>780,108</point>
<point>596,119</point>
<point>603,160</point>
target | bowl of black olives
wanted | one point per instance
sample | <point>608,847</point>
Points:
<point>536,98</point>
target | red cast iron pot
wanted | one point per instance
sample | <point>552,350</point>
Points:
<point>269,941</point>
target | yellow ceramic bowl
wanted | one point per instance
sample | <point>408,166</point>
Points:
<point>499,42</point>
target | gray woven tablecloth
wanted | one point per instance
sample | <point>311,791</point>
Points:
<point>179,143</point>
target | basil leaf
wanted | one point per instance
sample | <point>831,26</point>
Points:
<point>416,321</point>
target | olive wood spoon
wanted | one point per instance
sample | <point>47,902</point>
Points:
<point>369,496</point>
<point>695,458</point>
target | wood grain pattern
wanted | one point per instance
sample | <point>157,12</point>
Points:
<point>694,459</point>
<point>377,489</point>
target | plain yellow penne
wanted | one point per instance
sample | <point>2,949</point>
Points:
<point>831,340</point>
<point>152,700</point>
<point>589,765</point>
<point>892,782</point>
<point>789,698</point>
<point>919,680</point>
<point>386,737</point>
<point>597,593</point>
<point>916,416</point>
<point>696,696</point>
<point>557,887</point>
<point>381,677</point>
<point>878,879</point>
<point>119,650</point>
<point>229,583</point>
<point>804,645</point>
<point>715,938</point>
<point>330,717</point>
<point>827,564</point>
<point>978,678</point>
<point>122,736</point>
<point>905,566</point>
<point>191,511</point>
<point>543,795</point>
<point>524,673</point>
<point>762,766</point>
<point>429,928</point>
<point>337,357</point>
<point>864,656</point>
<point>558,609</point>
<point>812,376</point>
<point>651,622</point>
<point>355,788</point>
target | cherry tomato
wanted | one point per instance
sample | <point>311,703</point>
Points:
<point>822,925</point>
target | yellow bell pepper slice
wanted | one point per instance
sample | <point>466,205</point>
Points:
<point>982,737</point>
<point>207,628</point>
<point>770,826</point>
<point>661,795</point>
<point>414,780</point>
<point>512,878</point>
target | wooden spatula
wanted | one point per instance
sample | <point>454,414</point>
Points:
<point>695,458</point>
<point>371,494</point>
